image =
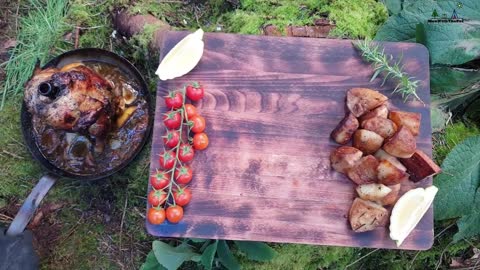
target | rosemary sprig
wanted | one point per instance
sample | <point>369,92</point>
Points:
<point>406,85</point>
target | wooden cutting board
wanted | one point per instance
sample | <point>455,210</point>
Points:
<point>270,105</point>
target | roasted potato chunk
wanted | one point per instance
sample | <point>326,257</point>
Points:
<point>344,158</point>
<point>367,141</point>
<point>410,120</point>
<point>345,129</point>
<point>381,126</point>
<point>382,155</point>
<point>366,216</point>
<point>362,100</point>
<point>402,144</point>
<point>420,166</point>
<point>372,192</point>
<point>391,197</point>
<point>364,171</point>
<point>380,111</point>
<point>389,174</point>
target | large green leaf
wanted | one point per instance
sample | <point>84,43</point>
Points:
<point>172,257</point>
<point>226,257</point>
<point>459,191</point>
<point>438,118</point>
<point>447,80</point>
<point>472,112</point>
<point>151,263</point>
<point>402,27</point>
<point>453,43</point>
<point>394,6</point>
<point>468,225</point>
<point>208,255</point>
<point>257,251</point>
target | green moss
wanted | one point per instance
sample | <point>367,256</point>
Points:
<point>18,171</point>
<point>295,256</point>
<point>357,18</point>
<point>450,137</point>
<point>94,20</point>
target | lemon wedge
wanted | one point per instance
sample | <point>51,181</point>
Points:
<point>183,57</point>
<point>408,211</point>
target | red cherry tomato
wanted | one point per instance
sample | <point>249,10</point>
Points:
<point>156,216</point>
<point>156,197</point>
<point>200,141</point>
<point>159,179</point>
<point>172,120</point>
<point>198,123</point>
<point>190,110</point>
<point>195,91</point>
<point>186,152</point>
<point>167,159</point>
<point>174,100</point>
<point>171,138</point>
<point>183,175</point>
<point>174,213</point>
<point>183,196</point>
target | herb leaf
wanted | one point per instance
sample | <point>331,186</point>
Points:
<point>382,63</point>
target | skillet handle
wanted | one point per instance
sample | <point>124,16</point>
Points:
<point>30,205</point>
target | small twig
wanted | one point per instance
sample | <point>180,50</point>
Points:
<point>12,154</point>
<point>361,258</point>
<point>123,218</point>
<point>16,16</point>
<point>77,34</point>
<point>441,256</point>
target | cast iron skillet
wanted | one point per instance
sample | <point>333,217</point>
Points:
<point>54,173</point>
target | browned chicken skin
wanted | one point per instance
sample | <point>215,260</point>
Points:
<point>74,98</point>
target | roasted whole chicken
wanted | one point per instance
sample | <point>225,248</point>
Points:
<point>74,98</point>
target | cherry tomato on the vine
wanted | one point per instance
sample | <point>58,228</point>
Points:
<point>195,91</point>
<point>182,196</point>
<point>156,216</point>
<point>167,159</point>
<point>159,179</point>
<point>171,138</point>
<point>190,110</point>
<point>174,100</point>
<point>157,197</point>
<point>200,141</point>
<point>186,152</point>
<point>174,213</point>
<point>198,123</point>
<point>183,175</point>
<point>172,120</point>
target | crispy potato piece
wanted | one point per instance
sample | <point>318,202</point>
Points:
<point>420,166</point>
<point>373,192</point>
<point>366,216</point>
<point>367,141</point>
<point>410,120</point>
<point>364,171</point>
<point>362,100</point>
<point>380,111</point>
<point>402,144</point>
<point>391,197</point>
<point>344,158</point>
<point>382,155</point>
<point>345,129</point>
<point>381,126</point>
<point>389,174</point>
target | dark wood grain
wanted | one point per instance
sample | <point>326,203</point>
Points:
<point>270,105</point>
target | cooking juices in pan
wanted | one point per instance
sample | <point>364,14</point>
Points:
<point>76,150</point>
